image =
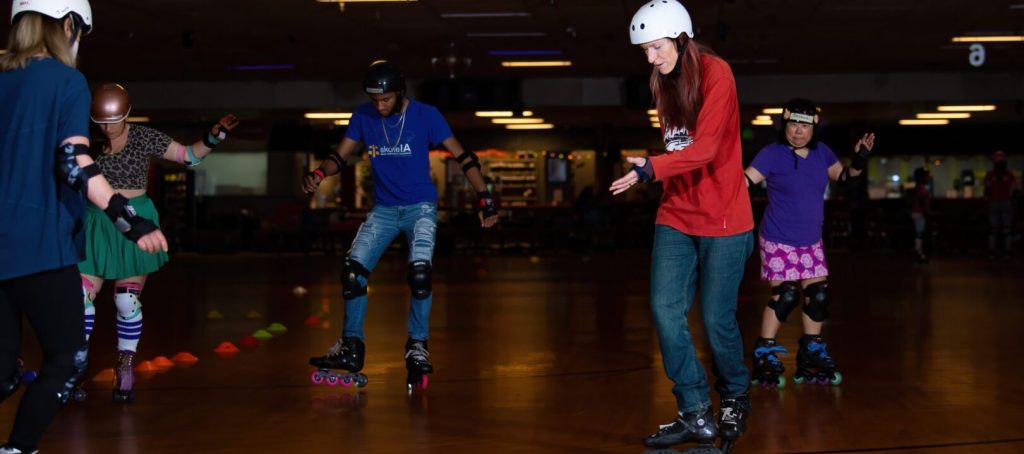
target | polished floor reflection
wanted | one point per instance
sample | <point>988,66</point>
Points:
<point>547,355</point>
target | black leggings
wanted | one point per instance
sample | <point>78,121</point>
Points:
<point>52,303</point>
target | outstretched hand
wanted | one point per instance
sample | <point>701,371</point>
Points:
<point>630,178</point>
<point>868,142</point>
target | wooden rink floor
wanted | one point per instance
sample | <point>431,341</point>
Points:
<point>556,355</point>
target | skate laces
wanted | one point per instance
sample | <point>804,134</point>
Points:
<point>417,352</point>
<point>770,352</point>
<point>338,347</point>
<point>820,351</point>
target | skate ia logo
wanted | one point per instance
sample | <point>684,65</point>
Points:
<point>398,150</point>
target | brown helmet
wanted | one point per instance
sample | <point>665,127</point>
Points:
<point>110,104</point>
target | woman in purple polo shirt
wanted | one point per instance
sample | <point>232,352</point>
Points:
<point>797,169</point>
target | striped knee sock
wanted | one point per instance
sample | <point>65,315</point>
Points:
<point>129,316</point>
<point>90,309</point>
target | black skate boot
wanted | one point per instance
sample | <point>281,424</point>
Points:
<point>813,363</point>
<point>768,367</point>
<point>417,362</point>
<point>346,354</point>
<point>732,420</point>
<point>9,385</point>
<point>125,374</point>
<point>696,427</point>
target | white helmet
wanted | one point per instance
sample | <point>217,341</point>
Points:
<point>660,19</point>
<point>56,9</point>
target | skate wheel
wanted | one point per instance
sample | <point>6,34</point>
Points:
<point>346,381</point>
<point>782,382</point>
<point>317,377</point>
<point>79,395</point>
<point>798,379</point>
<point>361,380</point>
<point>332,380</point>
<point>837,378</point>
<point>417,383</point>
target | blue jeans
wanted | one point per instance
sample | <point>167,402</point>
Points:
<point>679,263</point>
<point>419,224</point>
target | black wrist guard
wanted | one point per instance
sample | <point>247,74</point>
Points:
<point>487,206</point>
<point>127,221</point>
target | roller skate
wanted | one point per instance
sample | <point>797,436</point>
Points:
<point>732,421</point>
<point>10,384</point>
<point>346,354</point>
<point>418,364</point>
<point>768,367</point>
<point>125,375</point>
<point>8,449</point>
<point>696,427</point>
<point>813,363</point>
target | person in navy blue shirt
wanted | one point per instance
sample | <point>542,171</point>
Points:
<point>397,132</point>
<point>44,171</point>
<point>797,169</point>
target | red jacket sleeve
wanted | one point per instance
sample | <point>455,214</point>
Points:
<point>712,123</point>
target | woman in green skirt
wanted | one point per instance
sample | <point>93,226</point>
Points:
<point>123,152</point>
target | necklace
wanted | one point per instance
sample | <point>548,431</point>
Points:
<point>384,127</point>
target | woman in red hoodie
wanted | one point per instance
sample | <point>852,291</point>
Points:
<point>703,232</point>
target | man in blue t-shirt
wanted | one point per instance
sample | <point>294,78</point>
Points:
<point>397,132</point>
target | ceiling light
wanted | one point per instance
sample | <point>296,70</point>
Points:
<point>363,1</point>
<point>341,122</point>
<point>538,126</point>
<point>535,64</point>
<point>137,119</point>
<point>761,122</point>
<point>327,115</point>
<point>506,35</point>
<point>494,113</point>
<point>517,121</point>
<point>654,119</point>
<point>772,111</point>
<point>482,15</point>
<point>989,39</point>
<point>949,115</point>
<point>652,112</point>
<point>764,118</point>
<point>924,122</point>
<point>980,108</point>
<point>527,113</point>
<point>656,125</point>
<point>3,51</point>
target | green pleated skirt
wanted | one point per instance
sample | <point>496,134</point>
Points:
<point>109,254</point>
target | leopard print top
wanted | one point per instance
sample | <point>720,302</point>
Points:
<point>129,169</point>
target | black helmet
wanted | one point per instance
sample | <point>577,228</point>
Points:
<point>800,110</point>
<point>382,77</point>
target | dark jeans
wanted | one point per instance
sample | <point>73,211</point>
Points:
<point>679,263</point>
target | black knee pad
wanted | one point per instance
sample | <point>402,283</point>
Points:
<point>789,299</point>
<point>817,301</point>
<point>350,285</point>
<point>419,279</point>
<point>10,384</point>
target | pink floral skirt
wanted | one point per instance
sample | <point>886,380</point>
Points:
<point>782,262</point>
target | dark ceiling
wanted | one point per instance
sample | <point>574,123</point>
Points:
<point>208,40</point>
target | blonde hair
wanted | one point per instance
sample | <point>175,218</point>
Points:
<point>33,34</point>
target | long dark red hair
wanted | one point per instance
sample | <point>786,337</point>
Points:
<point>677,95</point>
